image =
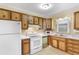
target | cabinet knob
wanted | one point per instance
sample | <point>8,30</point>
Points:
<point>3,15</point>
<point>15,17</point>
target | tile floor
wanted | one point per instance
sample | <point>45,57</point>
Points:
<point>51,51</point>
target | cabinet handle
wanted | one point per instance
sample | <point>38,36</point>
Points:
<point>24,24</point>
<point>3,15</point>
<point>15,17</point>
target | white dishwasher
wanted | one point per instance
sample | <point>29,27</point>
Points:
<point>35,44</point>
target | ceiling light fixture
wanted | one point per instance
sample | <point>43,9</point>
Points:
<point>45,6</point>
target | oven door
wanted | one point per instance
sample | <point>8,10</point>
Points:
<point>36,42</point>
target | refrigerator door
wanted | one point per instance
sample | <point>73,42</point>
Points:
<point>9,27</point>
<point>10,44</point>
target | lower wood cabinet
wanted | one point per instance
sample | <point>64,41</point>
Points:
<point>62,45</point>
<point>70,46</point>
<point>54,43</point>
<point>49,40</point>
<point>73,46</point>
<point>25,46</point>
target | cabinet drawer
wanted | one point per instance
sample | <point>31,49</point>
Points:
<point>72,53</point>
<point>69,48</point>
<point>69,41</point>
<point>76,50</point>
<point>75,46</point>
<point>4,14</point>
<point>15,16</point>
<point>25,41</point>
<point>76,41</point>
<point>69,45</point>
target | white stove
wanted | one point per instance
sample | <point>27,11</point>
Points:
<point>35,43</point>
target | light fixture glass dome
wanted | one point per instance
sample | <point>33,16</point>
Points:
<point>45,6</point>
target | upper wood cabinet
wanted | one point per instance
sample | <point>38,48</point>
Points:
<point>44,24</point>
<point>49,24</point>
<point>76,20</point>
<point>16,16</point>
<point>31,19</point>
<point>24,22</point>
<point>4,14</point>
<point>41,22</point>
<point>36,20</point>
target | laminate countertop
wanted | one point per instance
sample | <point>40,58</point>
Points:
<point>71,36</point>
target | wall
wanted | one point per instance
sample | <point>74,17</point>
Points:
<point>67,13</point>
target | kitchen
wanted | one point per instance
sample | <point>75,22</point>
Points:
<point>39,29</point>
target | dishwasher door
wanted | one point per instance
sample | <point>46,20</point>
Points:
<point>44,41</point>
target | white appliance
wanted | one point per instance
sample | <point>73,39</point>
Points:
<point>35,38</point>
<point>35,44</point>
<point>10,41</point>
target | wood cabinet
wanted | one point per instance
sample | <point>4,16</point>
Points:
<point>49,24</point>
<point>16,16</point>
<point>54,41</point>
<point>44,23</point>
<point>4,14</point>
<point>57,42</point>
<point>25,46</point>
<point>76,20</point>
<point>62,44</point>
<point>36,20</point>
<point>73,46</point>
<point>41,22</point>
<point>70,46</point>
<point>31,20</point>
<point>24,22</point>
<point>49,40</point>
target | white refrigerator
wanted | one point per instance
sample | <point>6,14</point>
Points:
<point>10,40</point>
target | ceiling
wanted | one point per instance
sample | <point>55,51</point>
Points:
<point>35,9</point>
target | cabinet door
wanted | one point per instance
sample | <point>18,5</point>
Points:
<point>49,40</point>
<point>44,24</point>
<point>54,43</point>
<point>4,14</point>
<point>62,45</point>
<point>15,16</point>
<point>36,20</point>
<point>31,20</point>
<point>25,46</point>
<point>76,21</point>
<point>41,22</point>
<point>49,23</point>
<point>24,21</point>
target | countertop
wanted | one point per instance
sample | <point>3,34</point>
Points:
<point>71,36</point>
